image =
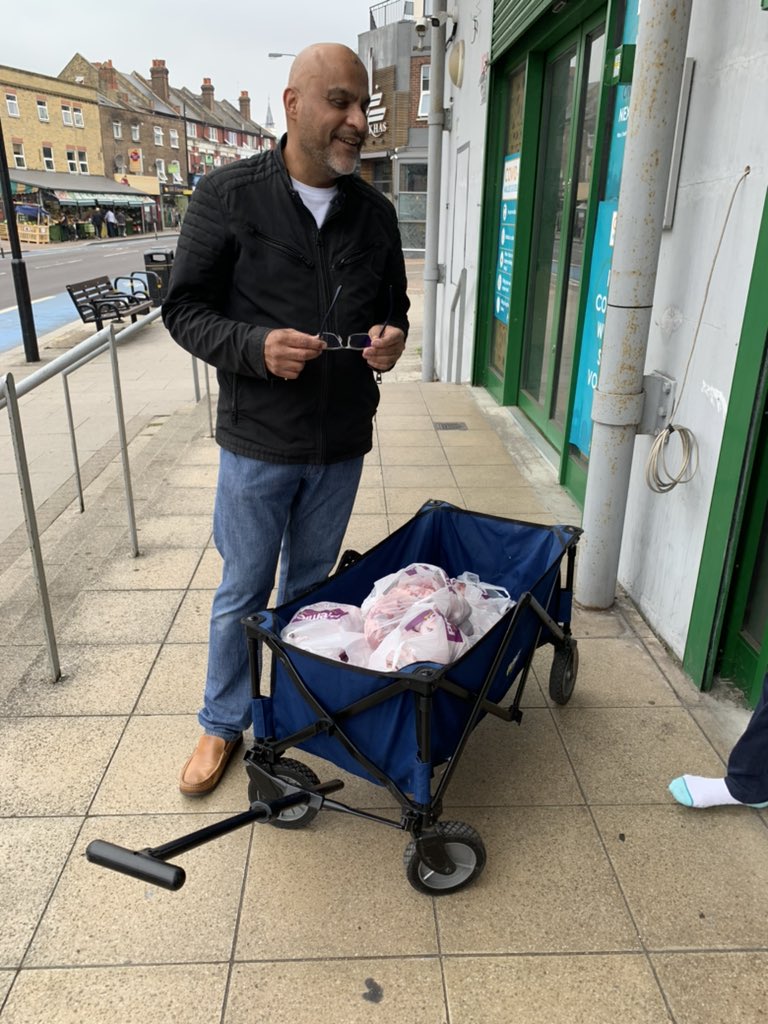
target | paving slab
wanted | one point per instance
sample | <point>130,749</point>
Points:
<point>539,990</point>
<point>54,765</point>
<point>548,887</point>
<point>692,880</point>
<point>131,995</point>
<point>33,852</point>
<point>348,896</point>
<point>96,917</point>
<point>390,991</point>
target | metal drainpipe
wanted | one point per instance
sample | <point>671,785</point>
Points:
<point>434,174</point>
<point>618,401</point>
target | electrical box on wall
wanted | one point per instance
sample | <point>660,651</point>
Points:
<point>660,392</point>
<point>622,65</point>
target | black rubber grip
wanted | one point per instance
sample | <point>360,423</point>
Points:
<point>137,864</point>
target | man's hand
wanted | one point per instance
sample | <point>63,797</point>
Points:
<point>385,349</point>
<point>286,351</point>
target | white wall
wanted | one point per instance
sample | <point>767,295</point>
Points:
<point>462,188</point>
<point>727,130</point>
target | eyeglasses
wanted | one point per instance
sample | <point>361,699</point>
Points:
<point>356,342</point>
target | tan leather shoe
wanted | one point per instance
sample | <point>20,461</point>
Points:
<point>202,771</point>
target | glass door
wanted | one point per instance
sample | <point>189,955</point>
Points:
<point>571,89</point>
<point>507,223</point>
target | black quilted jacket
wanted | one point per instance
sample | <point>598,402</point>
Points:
<point>250,258</point>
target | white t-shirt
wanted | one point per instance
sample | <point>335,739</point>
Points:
<point>316,200</point>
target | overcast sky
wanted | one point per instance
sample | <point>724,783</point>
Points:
<point>224,40</point>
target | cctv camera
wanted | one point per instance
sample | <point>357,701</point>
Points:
<point>422,24</point>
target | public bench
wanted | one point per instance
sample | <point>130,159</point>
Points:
<point>99,299</point>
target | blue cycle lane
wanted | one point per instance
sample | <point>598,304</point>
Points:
<point>50,312</point>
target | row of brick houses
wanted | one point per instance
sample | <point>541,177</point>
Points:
<point>95,136</point>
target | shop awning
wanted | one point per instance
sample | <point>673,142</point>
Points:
<point>81,189</point>
<point>28,210</point>
<point>99,198</point>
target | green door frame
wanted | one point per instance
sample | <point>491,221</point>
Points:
<point>734,471</point>
<point>572,472</point>
<point>738,659</point>
<point>542,422</point>
<point>531,51</point>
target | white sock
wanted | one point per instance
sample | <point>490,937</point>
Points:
<point>698,791</point>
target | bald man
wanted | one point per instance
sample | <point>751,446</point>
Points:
<point>289,278</point>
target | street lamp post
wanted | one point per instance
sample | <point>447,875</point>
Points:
<point>18,267</point>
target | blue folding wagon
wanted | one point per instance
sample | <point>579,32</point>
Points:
<point>396,729</point>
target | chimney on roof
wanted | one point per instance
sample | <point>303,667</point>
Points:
<point>159,76</point>
<point>206,91</point>
<point>245,105</point>
<point>107,76</point>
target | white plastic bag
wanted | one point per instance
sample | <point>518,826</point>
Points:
<point>330,630</point>
<point>393,596</point>
<point>487,604</point>
<point>423,634</point>
<point>414,614</point>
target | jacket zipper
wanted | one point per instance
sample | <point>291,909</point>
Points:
<point>234,415</point>
<point>326,291</point>
<point>282,247</point>
<point>353,257</point>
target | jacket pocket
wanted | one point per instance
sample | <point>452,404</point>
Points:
<point>278,246</point>
<point>350,259</point>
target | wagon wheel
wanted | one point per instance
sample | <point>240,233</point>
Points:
<point>464,847</point>
<point>297,774</point>
<point>562,675</point>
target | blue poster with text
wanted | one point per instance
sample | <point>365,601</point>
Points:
<point>506,248</point>
<point>594,325</point>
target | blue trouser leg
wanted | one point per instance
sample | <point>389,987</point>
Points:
<point>261,507</point>
<point>747,778</point>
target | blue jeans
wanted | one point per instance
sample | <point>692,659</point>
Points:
<point>747,778</point>
<point>263,511</point>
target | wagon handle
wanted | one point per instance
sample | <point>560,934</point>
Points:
<point>138,864</point>
<point>149,865</point>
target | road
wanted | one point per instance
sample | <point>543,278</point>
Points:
<point>50,270</point>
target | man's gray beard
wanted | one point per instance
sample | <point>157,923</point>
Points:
<point>355,167</point>
<point>324,157</point>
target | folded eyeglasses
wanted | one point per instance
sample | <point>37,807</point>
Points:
<point>356,342</point>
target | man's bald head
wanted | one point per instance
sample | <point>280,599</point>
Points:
<point>317,60</point>
<point>326,102</point>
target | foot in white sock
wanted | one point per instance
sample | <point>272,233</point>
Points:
<point>697,791</point>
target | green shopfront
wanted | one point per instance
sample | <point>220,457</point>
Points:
<point>557,121</point>
<point>558,105</point>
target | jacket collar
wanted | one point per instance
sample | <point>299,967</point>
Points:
<point>342,181</point>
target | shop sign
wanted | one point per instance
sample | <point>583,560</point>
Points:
<point>377,113</point>
<point>135,161</point>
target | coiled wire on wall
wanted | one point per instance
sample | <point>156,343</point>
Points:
<point>658,476</point>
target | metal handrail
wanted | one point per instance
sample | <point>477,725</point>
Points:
<point>65,364</point>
